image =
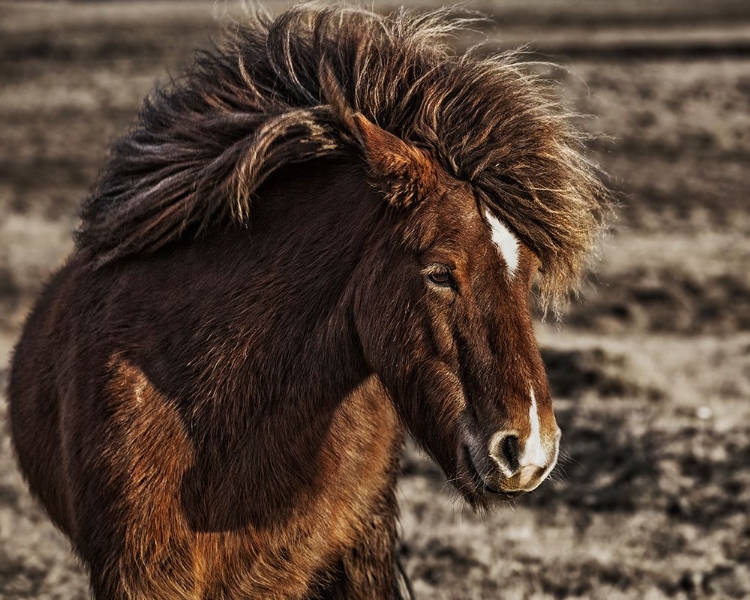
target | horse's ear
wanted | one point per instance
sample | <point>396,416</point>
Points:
<point>405,173</point>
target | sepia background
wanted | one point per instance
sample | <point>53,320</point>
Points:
<point>650,369</point>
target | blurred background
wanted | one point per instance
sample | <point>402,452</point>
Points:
<point>651,369</point>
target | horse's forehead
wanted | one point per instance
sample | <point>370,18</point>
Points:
<point>478,238</point>
<point>505,242</point>
<point>484,238</point>
<point>459,210</point>
<point>455,221</point>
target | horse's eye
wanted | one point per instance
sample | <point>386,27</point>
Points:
<point>442,276</point>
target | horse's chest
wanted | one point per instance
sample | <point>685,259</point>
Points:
<point>213,524</point>
<point>351,501</point>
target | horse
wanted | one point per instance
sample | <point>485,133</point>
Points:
<point>325,234</point>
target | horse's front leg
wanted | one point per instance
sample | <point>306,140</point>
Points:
<point>369,569</point>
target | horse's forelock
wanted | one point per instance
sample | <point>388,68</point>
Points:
<point>284,90</point>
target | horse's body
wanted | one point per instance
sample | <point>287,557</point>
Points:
<point>244,487</point>
<point>212,406</point>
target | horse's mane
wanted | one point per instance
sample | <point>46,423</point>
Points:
<point>266,95</point>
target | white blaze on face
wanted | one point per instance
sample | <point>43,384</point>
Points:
<point>533,452</point>
<point>505,241</point>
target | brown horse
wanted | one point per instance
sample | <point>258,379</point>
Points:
<point>326,232</point>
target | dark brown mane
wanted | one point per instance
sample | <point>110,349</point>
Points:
<point>254,103</point>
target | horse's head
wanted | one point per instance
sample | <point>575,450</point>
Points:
<point>444,319</point>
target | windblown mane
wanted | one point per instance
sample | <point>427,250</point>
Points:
<point>263,98</point>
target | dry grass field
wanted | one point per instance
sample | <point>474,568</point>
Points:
<point>651,368</point>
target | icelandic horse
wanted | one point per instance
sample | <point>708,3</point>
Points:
<point>323,235</point>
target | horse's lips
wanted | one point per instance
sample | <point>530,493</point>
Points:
<point>482,485</point>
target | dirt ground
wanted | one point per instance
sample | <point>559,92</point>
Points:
<point>651,369</point>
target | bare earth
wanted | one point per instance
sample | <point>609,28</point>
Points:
<point>651,369</point>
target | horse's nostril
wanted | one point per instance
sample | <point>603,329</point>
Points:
<point>509,448</point>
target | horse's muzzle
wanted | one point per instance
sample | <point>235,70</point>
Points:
<point>502,469</point>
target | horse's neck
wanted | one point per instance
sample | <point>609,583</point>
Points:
<point>285,320</point>
<point>277,370</point>
<point>250,334</point>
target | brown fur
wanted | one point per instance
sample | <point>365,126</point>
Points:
<point>209,399</point>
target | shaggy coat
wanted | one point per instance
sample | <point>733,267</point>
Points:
<point>289,259</point>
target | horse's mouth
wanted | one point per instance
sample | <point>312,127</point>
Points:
<point>481,485</point>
